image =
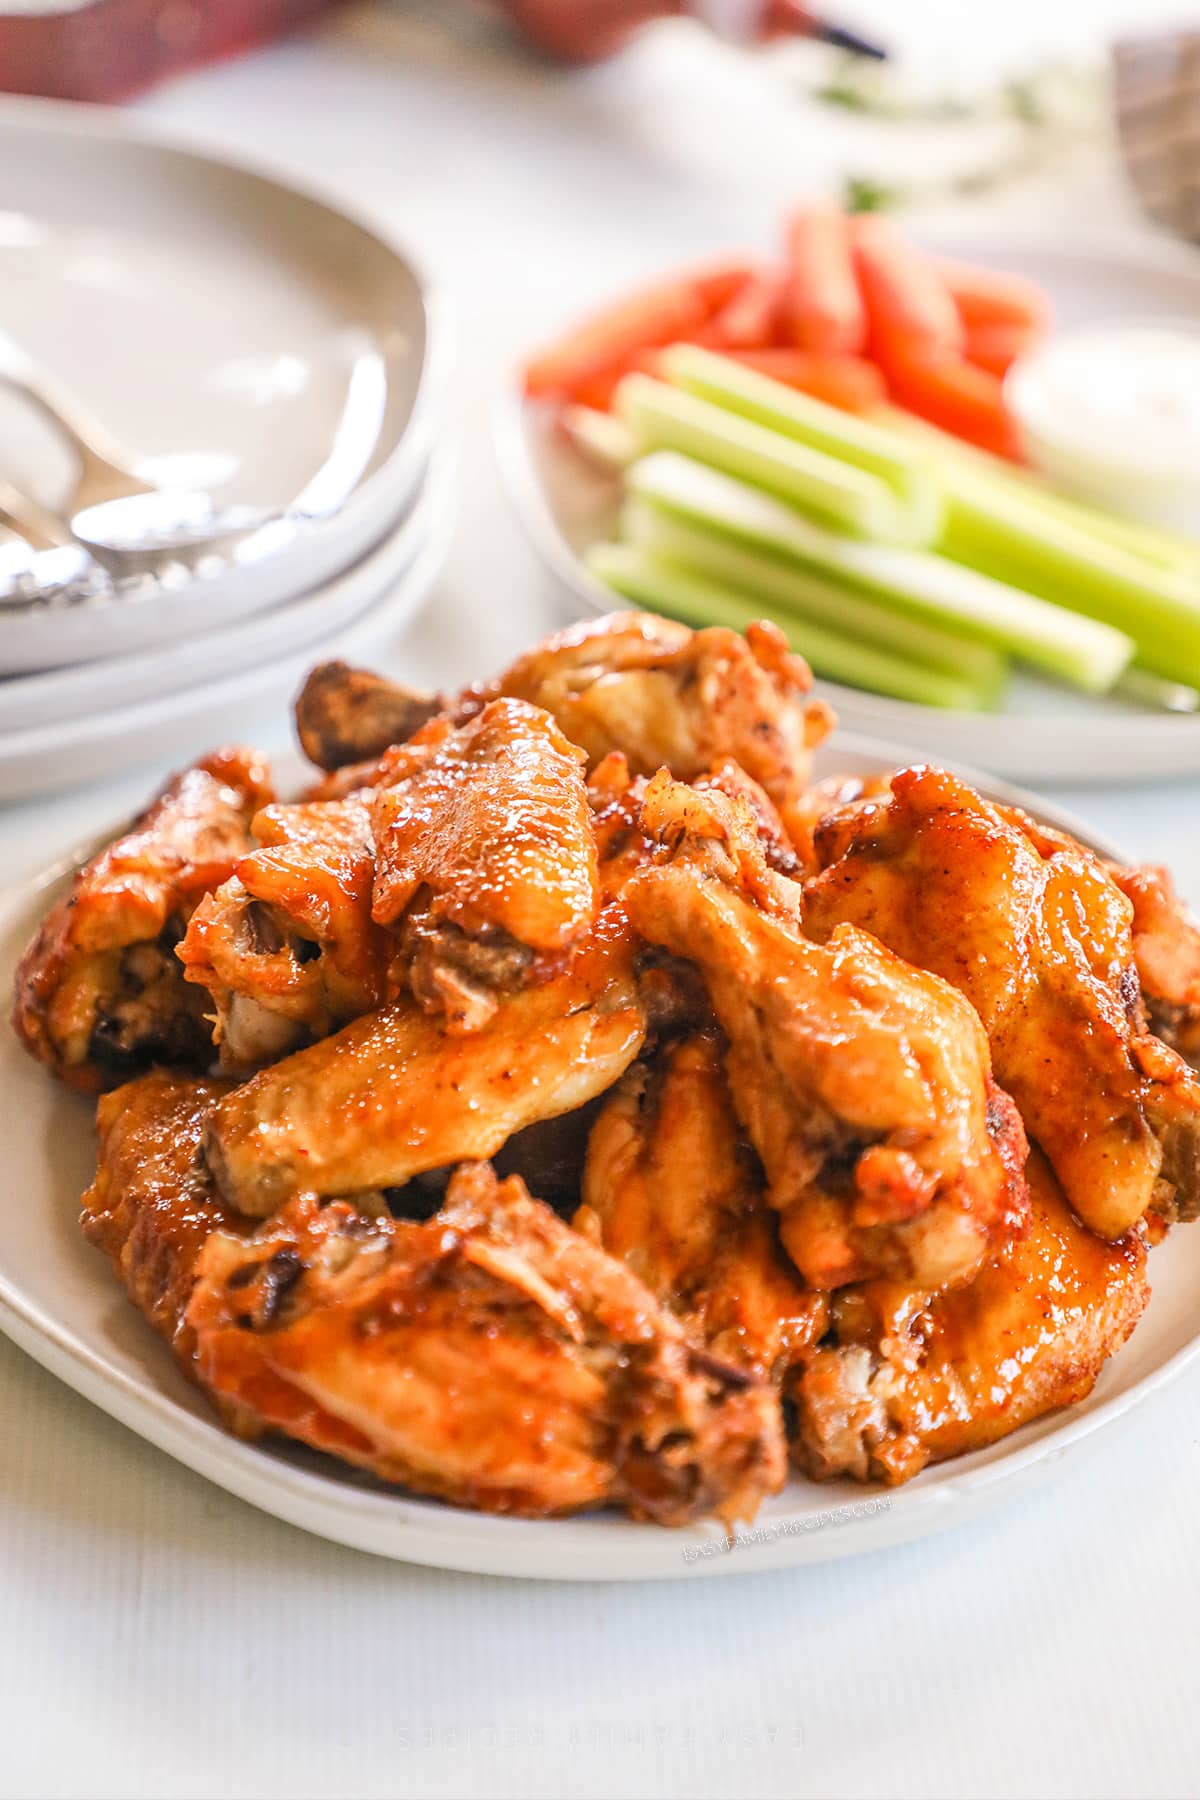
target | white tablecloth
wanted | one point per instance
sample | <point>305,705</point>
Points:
<point>160,1639</point>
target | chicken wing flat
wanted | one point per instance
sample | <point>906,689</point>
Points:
<point>671,1188</point>
<point>99,993</point>
<point>863,1083</point>
<point>491,1357</point>
<point>287,949</point>
<point>1041,947</point>
<point>662,694</point>
<point>1166,938</point>
<point>484,855</point>
<point>346,715</point>
<point>152,1207</point>
<point>910,1381</point>
<point>393,1094</point>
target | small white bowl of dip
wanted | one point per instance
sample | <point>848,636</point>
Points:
<point>1111,413</point>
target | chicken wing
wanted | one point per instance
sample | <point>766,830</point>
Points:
<point>491,1357</point>
<point>151,1207</point>
<point>484,857</point>
<point>99,993</point>
<point>1041,947</point>
<point>287,949</point>
<point>672,1189</point>
<point>864,1084</point>
<point>908,1381</point>
<point>1166,937</point>
<point>660,693</point>
<point>391,1095</point>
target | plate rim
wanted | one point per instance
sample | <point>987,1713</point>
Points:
<point>62,119</point>
<point>409,1528</point>
<point>1160,734</point>
<point>401,545</point>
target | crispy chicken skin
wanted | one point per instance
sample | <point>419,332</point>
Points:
<point>1166,938</point>
<point>287,949</point>
<point>491,1357</point>
<point>671,1187</point>
<point>485,859</point>
<point>660,693</point>
<point>908,1380</point>
<point>1041,947</point>
<point>863,1083</point>
<point>346,715</point>
<point>393,1094</point>
<point>99,993</point>
<point>151,1207</point>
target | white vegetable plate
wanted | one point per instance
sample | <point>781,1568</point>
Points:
<point>58,1300</point>
<point>1045,732</point>
<point>238,335</point>
<point>384,600</point>
<point>32,702</point>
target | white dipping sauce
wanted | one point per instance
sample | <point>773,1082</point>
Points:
<point>1113,413</point>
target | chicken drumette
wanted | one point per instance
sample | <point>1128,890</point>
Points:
<point>863,1083</point>
<point>1041,946</point>
<point>99,993</point>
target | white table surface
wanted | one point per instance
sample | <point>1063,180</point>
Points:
<point>158,1638</point>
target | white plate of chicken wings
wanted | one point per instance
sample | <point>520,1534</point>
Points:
<point>602,1121</point>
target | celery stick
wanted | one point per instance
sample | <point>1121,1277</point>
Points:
<point>1153,543</point>
<point>993,528</point>
<point>673,590</point>
<point>663,418</point>
<point>1152,691</point>
<point>813,598</point>
<point>1078,650</point>
<point>600,437</point>
<point>908,471</point>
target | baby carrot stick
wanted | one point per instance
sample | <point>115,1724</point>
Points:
<point>822,305</point>
<point>951,392</point>
<point>749,320</point>
<point>993,297</point>
<point>661,314</point>
<point>997,347</point>
<point>849,382</point>
<point>909,307</point>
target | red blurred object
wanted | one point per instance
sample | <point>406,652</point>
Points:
<point>110,49</point>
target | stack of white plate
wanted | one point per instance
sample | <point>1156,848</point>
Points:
<point>243,336</point>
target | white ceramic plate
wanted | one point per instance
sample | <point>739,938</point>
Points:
<point>1045,733</point>
<point>36,701</point>
<point>238,335</point>
<point>180,724</point>
<point>59,1301</point>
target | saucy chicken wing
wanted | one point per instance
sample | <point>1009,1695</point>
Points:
<point>99,993</point>
<point>491,1357</point>
<point>660,693</point>
<point>1041,947</point>
<point>671,1188</point>
<point>909,1380</point>
<point>864,1083</point>
<point>287,949</point>
<point>393,1094</point>
<point>152,1207</point>
<point>485,859</point>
